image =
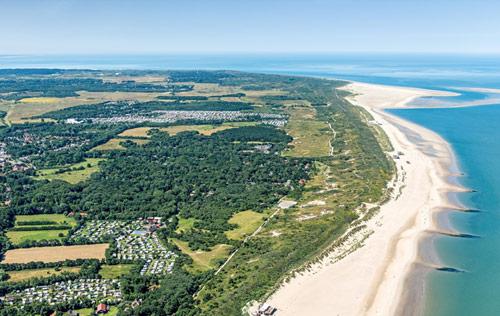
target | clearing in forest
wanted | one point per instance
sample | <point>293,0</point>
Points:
<point>72,173</point>
<point>205,129</point>
<point>204,260</point>
<point>55,254</point>
<point>114,144</point>
<point>247,221</point>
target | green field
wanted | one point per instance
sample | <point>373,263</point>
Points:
<point>17,237</point>
<point>115,271</point>
<point>203,260</point>
<point>247,221</point>
<point>22,275</point>
<point>90,165</point>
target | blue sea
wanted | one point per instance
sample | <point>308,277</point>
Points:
<point>473,132</point>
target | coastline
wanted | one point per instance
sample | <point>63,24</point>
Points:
<point>385,276</point>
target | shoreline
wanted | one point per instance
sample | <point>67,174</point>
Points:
<point>385,276</point>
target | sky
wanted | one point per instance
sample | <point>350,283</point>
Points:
<point>248,26</point>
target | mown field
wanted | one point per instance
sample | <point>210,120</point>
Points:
<point>55,254</point>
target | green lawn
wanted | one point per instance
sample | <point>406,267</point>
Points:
<point>115,271</point>
<point>247,221</point>
<point>90,166</point>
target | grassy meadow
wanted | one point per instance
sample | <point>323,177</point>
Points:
<point>115,271</point>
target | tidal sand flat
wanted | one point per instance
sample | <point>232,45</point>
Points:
<point>371,279</point>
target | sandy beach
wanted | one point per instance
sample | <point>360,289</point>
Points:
<point>373,279</point>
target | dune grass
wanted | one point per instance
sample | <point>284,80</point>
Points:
<point>311,137</point>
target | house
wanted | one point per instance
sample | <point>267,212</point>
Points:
<point>102,309</point>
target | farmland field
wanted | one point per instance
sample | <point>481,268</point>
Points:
<point>90,165</point>
<point>22,275</point>
<point>55,254</point>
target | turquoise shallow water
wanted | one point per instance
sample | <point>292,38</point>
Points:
<point>474,134</point>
